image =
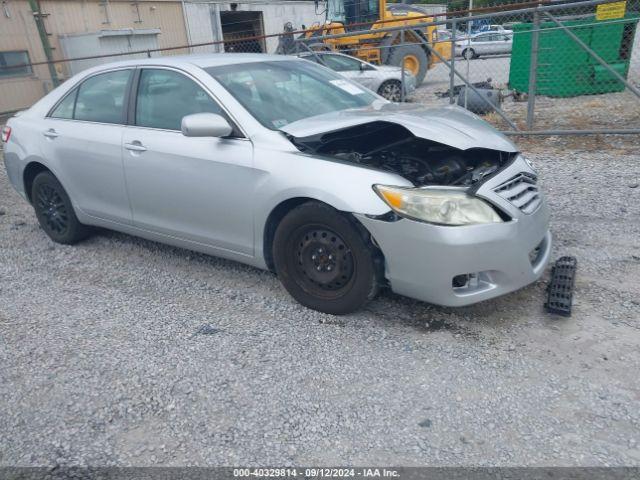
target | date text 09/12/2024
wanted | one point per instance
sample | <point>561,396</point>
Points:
<point>315,472</point>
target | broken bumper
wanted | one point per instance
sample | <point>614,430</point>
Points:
<point>489,260</point>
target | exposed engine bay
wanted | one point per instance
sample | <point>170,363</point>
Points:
<point>391,147</point>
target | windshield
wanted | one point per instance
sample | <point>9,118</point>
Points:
<point>353,11</point>
<point>281,92</point>
<point>336,11</point>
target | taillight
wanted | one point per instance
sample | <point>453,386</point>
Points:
<point>6,133</point>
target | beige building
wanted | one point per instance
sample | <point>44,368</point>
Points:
<point>89,28</point>
<point>76,28</point>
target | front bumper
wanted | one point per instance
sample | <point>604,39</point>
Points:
<point>422,259</point>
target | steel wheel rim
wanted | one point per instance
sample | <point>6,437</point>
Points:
<point>392,91</point>
<point>52,209</point>
<point>324,263</point>
<point>411,63</point>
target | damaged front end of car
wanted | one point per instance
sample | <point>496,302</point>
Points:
<point>445,172</point>
<point>466,220</point>
<point>391,147</point>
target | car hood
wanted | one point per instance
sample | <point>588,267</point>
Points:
<point>451,125</point>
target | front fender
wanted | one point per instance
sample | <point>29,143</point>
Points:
<point>345,186</point>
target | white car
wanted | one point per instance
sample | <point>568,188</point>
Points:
<point>385,80</point>
<point>485,43</point>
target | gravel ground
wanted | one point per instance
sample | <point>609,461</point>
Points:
<point>120,351</point>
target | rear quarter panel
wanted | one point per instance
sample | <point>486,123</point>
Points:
<point>23,148</point>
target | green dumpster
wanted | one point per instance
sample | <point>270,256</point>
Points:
<point>565,69</point>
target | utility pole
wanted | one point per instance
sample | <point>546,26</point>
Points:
<point>44,39</point>
<point>466,90</point>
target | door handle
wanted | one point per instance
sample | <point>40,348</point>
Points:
<point>135,146</point>
<point>51,133</point>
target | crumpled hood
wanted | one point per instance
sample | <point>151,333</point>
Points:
<point>450,125</point>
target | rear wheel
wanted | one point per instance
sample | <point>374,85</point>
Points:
<point>323,260</point>
<point>469,53</point>
<point>54,210</point>
<point>391,90</point>
<point>413,58</point>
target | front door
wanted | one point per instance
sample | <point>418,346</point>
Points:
<point>199,189</point>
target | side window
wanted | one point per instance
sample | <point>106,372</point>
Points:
<point>101,98</point>
<point>65,107</point>
<point>164,97</point>
<point>341,64</point>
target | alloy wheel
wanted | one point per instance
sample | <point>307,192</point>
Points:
<point>53,210</point>
<point>392,91</point>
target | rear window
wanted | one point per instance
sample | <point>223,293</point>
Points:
<point>98,99</point>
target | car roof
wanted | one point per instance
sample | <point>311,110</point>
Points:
<point>336,54</point>
<point>202,60</point>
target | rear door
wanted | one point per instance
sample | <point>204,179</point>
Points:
<point>82,138</point>
<point>199,189</point>
<point>481,44</point>
<point>499,43</point>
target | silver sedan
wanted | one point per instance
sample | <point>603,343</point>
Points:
<point>284,165</point>
<point>386,80</point>
<point>485,43</point>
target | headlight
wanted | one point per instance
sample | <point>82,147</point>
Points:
<point>434,205</point>
<point>530,163</point>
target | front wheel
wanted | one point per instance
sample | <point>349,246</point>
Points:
<point>54,210</point>
<point>324,261</point>
<point>391,90</point>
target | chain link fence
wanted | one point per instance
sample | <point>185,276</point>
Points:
<point>528,68</point>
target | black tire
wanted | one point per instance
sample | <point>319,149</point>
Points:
<point>469,54</point>
<point>398,55</point>
<point>55,212</point>
<point>391,90</point>
<point>324,261</point>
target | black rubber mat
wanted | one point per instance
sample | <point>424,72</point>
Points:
<point>560,289</point>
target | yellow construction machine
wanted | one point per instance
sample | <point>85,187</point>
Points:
<point>411,46</point>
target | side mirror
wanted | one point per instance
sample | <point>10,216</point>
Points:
<point>205,125</point>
